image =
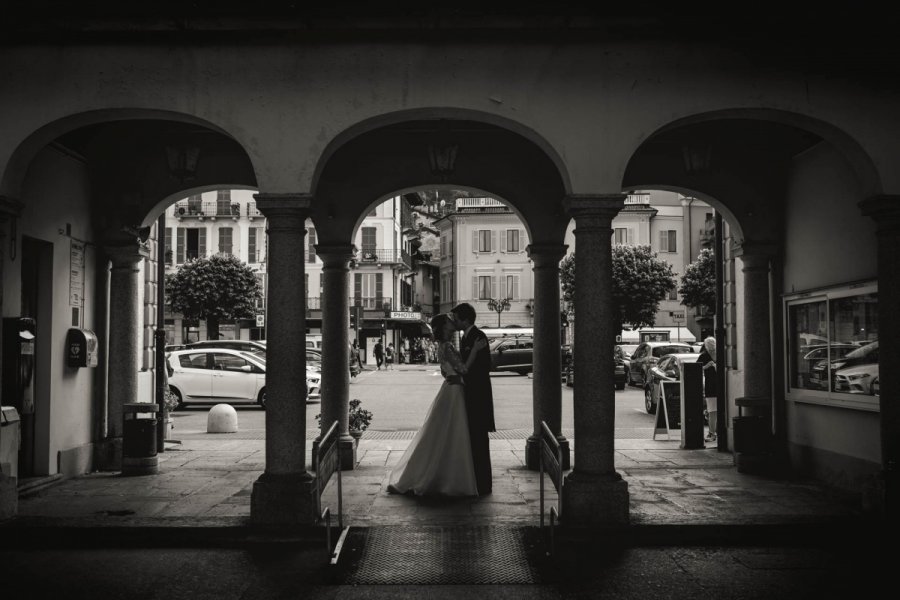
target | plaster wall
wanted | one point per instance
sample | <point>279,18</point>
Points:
<point>59,191</point>
<point>589,104</point>
<point>828,242</point>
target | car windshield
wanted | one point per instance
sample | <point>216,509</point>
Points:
<point>258,354</point>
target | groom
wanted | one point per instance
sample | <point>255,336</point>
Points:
<point>479,396</point>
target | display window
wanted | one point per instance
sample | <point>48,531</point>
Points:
<point>831,346</point>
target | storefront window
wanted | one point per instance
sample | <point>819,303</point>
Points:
<point>832,346</point>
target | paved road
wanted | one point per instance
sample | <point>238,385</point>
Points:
<point>400,398</point>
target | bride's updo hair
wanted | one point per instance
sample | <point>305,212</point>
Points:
<point>438,322</point>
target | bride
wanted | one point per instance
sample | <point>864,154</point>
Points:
<point>439,459</point>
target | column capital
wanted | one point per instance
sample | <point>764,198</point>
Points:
<point>594,205</point>
<point>545,255</point>
<point>126,255</point>
<point>755,250</point>
<point>284,206</point>
<point>884,209</point>
<point>336,255</point>
<point>10,207</point>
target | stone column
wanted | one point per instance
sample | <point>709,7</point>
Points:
<point>9,497</point>
<point>594,494</point>
<point>885,494</point>
<point>753,441</point>
<point>285,493</point>
<point>336,346</point>
<point>125,335</point>
<point>546,389</point>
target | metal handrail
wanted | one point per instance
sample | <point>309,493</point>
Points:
<point>550,453</point>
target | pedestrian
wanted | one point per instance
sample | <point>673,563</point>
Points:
<point>355,362</point>
<point>707,358</point>
<point>389,356</point>
<point>403,350</point>
<point>378,351</point>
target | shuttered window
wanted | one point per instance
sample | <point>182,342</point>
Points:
<point>484,240</point>
<point>311,245</point>
<point>509,287</point>
<point>225,240</point>
<point>667,241</point>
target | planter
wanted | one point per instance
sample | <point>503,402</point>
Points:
<point>168,427</point>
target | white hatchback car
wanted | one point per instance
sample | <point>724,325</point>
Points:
<point>224,376</point>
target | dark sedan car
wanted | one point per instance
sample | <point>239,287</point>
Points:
<point>824,369</point>
<point>618,373</point>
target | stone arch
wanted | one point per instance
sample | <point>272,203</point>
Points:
<point>15,170</point>
<point>386,154</point>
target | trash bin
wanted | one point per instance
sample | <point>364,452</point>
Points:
<point>9,461</point>
<point>139,451</point>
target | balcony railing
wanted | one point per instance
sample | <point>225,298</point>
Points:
<point>211,209</point>
<point>638,199</point>
<point>375,256</point>
<point>477,202</point>
<point>373,303</point>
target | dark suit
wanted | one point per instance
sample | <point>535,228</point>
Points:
<point>480,407</point>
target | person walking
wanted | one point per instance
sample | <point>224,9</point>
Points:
<point>378,351</point>
<point>707,358</point>
<point>479,395</point>
<point>356,366</point>
<point>389,356</point>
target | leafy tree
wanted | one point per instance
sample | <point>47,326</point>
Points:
<point>219,288</point>
<point>698,284</point>
<point>640,282</point>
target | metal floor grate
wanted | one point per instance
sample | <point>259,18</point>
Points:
<point>437,556</point>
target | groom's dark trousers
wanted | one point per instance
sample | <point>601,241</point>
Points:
<point>479,407</point>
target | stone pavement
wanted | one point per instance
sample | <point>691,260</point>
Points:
<point>206,479</point>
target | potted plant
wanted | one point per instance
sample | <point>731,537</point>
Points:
<point>359,421</point>
<point>171,401</point>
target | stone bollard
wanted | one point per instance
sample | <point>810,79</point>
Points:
<point>222,418</point>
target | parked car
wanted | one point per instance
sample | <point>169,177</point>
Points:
<point>512,354</point>
<point>623,353</point>
<point>222,375</point>
<point>648,354</point>
<point>246,345</point>
<point>820,373</point>
<point>668,369</point>
<point>618,373</point>
<point>812,355</point>
<point>862,379</point>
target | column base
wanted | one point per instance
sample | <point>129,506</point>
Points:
<point>283,500</point>
<point>108,454</point>
<point>753,463</point>
<point>533,453</point>
<point>9,495</point>
<point>595,501</point>
<point>346,448</point>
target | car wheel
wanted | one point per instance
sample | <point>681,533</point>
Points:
<point>180,405</point>
<point>648,400</point>
<point>261,399</point>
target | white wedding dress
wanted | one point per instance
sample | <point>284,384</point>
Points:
<point>439,459</point>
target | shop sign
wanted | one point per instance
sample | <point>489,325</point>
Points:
<point>406,316</point>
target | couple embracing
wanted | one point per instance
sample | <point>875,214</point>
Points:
<point>450,454</point>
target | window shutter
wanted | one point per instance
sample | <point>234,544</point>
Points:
<point>181,236</point>
<point>201,243</point>
<point>357,286</point>
<point>251,245</point>
<point>628,236</point>
<point>514,294</point>
<point>503,290</point>
<point>311,246</point>
<point>493,286</point>
<point>673,245</point>
<point>663,241</point>
<point>306,285</point>
<point>503,240</point>
<point>475,241</point>
<point>306,249</point>
<point>522,241</point>
<point>475,293</point>
<point>493,241</point>
<point>379,289</point>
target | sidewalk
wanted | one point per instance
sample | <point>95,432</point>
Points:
<point>205,481</point>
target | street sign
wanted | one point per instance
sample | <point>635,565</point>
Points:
<point>260,320</point>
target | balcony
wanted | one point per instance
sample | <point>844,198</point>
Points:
<point>206,210</point>
<point>379,303</point>
<point>637,200</point>
<point>377,257</point>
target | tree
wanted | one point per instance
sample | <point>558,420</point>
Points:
<point>698,284</point>
<point>640,282</point>
<point>219,288</point>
